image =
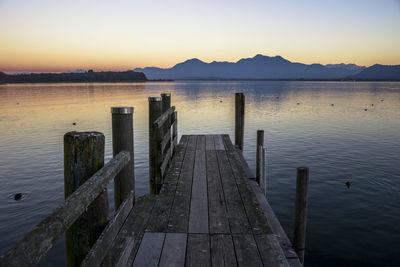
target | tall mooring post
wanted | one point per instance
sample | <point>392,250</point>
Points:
<point>122,139</point>
<point>239,119</point>
<point>155,111</point>
<point>83,157</point>
<point>260,142</point>
<point>300,216</point>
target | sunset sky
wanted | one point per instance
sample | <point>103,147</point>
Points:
<point>55,36</point>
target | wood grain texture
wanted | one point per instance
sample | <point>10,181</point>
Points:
<point>174,250</point>
<point>198,250</point>
<point>149,252</point>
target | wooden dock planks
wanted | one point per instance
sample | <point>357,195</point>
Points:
<point>208,213</point>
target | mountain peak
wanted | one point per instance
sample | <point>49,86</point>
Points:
<point>193,61</point>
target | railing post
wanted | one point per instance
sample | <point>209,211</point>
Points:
<point>239,119</point>
<point>300,216</point>
<point>83,156</point>
<point>122,139</point>
<point>155,111</point>
<point>166,102</point>
<point>260,142</point>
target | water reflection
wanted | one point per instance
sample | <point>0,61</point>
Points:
<point>339,142</point>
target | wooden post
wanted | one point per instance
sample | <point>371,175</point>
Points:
<point>122,139</point>
<point>166,102</point>
<point>239,120</point>
<point>155,111</point>
<point>260,142</point>
<point>83,157</point>
<point>261,169</point>
<point>300,216</point>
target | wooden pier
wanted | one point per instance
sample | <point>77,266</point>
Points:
<point>207,209</point>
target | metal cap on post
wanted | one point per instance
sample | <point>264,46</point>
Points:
<point>300,216</point>
<point>239,120</point>
<point>122,139</point>
<point>155,111</point>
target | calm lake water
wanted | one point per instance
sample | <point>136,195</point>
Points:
<point>356,226</point>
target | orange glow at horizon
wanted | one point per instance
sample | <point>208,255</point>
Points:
<point>58,36</point>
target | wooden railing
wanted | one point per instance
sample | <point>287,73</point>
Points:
<point>83,217</point>
<point>38,241</point>
<point>163,137</point>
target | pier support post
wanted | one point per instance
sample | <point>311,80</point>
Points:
<point>261,169</point>
<point>166,102</point>
<point>83,157</point>
<point>300,217</point>
<point>155,111</point>
<point>239,120</point>
<point>122,140</point>
<point>260,142</point>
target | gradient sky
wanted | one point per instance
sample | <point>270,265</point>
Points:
<point>49,35</point>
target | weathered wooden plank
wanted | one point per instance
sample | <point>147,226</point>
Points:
<point>149,252</point>
<point>258,221</point>
<point>164,117</point>
<point>104,242</point>
<point>275,225</point>
<point>239,156</point>
<point>210,142</point>
<point>158,221</point>
<point>165,161</point>
<point>198,250</point>
<point>222,251</point>
<point>219,144</point>
<point>198,219</point>
<point>165,140</point>
<point>218,216</point>
<point>237,217</point>
<point>270,250</point>
<point>174,250</point>
<point>127,242</point>
<point>246,250</point>
<point>37,242</point>
<point>179,216</point>
<point>201,142</point>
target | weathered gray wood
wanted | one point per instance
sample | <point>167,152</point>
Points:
<point>217,210</point>
<point>222,251</point>
<point>122,139</point>
<point>179,218</point>
<point>126,243</point>
<point>174,250</point>
<point>270,250</point>
<point>149,252</point>
<point>166,101</point>
<point>165,140</point>
<point>261,169</point>
<point>104,242</point>
<point>165,162</point>
<point>239,119</point>
<point>198,250</point>
<point>237,217</point>
<point>163,117</point>
<point>258,221</point>
<point>155,111</point>
<point>210,142</point>
<point>39,240</point>
<point>162,209</point>
<point>198,219</point>
<point>175,124</point>
<point>276,227</point>
<point>83,156</point>
<point>242,164</point>
<point>219,144</point>
<point>260,143</point>
<point>246,250</point>
<point>300,216</point>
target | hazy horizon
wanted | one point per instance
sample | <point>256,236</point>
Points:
<point>56,36</point>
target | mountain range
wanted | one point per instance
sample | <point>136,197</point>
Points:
<point>265,67</point>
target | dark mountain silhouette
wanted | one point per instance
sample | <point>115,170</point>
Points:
<point>258,67</point>
<point>379,72</point>
<point>90,76</point>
